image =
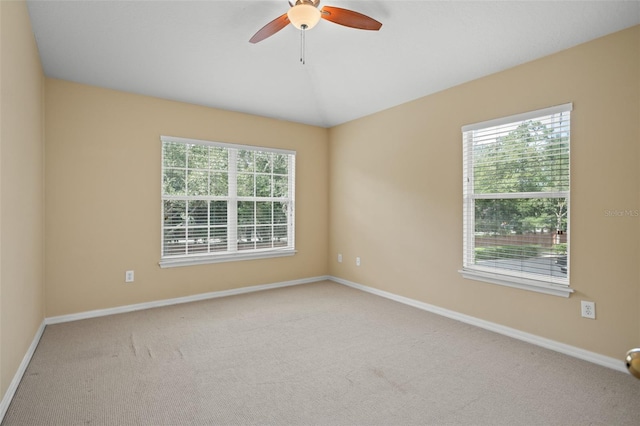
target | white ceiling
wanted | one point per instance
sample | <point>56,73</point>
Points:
<point>198,51</point>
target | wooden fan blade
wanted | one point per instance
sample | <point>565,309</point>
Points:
<point>271,28</point>
<point>349,18</point>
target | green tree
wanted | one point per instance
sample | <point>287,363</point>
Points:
<point>529,159</point>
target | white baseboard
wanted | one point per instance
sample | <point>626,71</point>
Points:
<point>178,300</point>
<point>605,361</point>
<point>13,386</point>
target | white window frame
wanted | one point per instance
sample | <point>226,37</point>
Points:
<point>519,279</point>
<point>232,253</point>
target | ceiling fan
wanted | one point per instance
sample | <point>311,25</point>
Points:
<point>304,15</point>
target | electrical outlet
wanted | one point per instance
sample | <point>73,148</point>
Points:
<point>339,257</point>
<point>588,309</point>
<point>357,261</point>
<point>128,277</point>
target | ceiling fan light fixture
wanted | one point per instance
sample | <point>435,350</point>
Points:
<point>304,14</point>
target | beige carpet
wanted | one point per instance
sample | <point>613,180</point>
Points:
<point>313,354</point>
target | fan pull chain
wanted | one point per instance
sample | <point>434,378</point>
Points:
<point>303,29</point>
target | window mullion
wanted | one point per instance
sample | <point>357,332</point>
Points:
<point>232,207</point>
<point>186,227</point>
<point>291,202</point>
<point>209,226</point>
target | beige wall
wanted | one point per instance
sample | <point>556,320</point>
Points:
<point>396,195</point>
<point>103,198</point>
<point>21,189</point>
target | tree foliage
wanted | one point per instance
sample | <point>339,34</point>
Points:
<point>531,158</point>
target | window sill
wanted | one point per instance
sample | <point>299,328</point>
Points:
<point>205,259</point>
<point>517,282</point>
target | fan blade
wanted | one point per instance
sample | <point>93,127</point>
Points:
<point>349,18</point>
<point>271,28</point>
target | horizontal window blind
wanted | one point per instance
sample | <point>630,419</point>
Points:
<point>221,200</point>
<point>516,180</point>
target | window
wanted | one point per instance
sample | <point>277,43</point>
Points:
<point>516,201</point>
<point>223,202</point>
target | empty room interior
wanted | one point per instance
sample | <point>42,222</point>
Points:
<point>372,132</point>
